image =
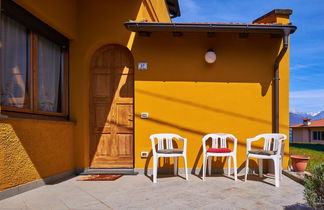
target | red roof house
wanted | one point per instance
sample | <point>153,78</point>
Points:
<point>308,131</point>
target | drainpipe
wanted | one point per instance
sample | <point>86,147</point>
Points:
<point>277,78</point>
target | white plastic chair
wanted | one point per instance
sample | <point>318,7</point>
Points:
<point>271,150</point>
<point>165,149</point>
<point>219,150</point>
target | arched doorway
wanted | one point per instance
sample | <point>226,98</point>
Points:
<point>111,108</point>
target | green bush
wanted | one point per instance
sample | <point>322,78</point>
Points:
<point>314,188</point>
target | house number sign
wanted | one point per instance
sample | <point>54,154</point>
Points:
<point>142,66</point>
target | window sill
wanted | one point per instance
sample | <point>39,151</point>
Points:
<point>37,119</point>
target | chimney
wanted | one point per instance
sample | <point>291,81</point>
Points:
<point>275,16</point>
<point>306,121</point>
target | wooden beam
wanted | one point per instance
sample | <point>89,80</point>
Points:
<point>177,34</point>
<point>144,33</point>
<point>211,34</point>
<point>243,35</point>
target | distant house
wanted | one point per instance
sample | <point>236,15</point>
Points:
<point>308,131</point>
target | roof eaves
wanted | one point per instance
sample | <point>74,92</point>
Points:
<point>209,27</point>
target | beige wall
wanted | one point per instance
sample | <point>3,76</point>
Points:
<point>305,135</point>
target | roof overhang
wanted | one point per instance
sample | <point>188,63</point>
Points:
<point>209,27</point>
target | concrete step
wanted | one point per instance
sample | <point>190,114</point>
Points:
<point>94,171</point>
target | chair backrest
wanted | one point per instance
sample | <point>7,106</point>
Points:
<point>164,140</point>
<point>219,140</point>
<point>272,141</point>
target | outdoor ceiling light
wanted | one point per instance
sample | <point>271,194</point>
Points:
<point>210,56</point>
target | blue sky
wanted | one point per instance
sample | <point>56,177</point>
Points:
<point>307,43</point>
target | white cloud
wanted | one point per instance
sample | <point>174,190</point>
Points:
<point>307,100</point>
<point>300,66</point>
<point>316,93</point>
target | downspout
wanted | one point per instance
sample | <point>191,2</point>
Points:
<point>277,78</point>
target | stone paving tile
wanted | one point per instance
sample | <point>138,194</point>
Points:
<point>15,202</point>
<point>138,192</point>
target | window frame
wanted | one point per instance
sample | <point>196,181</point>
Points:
<point>35,28</point>
<point>319,135</point>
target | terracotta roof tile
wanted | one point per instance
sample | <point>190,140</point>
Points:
<point>314,123</point>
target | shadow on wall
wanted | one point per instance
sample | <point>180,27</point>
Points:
<point>205,107</point>
<point>239,60</point>
<point>34,149</point>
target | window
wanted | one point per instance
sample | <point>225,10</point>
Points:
<point>33,65</point>
<point>318,135</point>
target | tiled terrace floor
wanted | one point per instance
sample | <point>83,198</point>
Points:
<point>138,192</point>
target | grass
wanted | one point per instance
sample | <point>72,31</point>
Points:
<point>314,151</point>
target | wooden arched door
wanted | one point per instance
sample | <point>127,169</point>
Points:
<point>111,108</point>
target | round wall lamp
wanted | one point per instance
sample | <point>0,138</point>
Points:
<point>210,56</point>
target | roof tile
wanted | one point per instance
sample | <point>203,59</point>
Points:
<point>314,123</point>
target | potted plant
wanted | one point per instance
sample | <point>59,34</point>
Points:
<point>299,162</point>
<point>314,188</point>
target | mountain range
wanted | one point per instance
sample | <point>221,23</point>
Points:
<point>296,117</point>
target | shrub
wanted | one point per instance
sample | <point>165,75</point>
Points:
<point>314,188</point>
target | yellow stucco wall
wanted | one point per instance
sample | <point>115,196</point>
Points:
<point>34,149</point>
<point>185,95</point>
<point>59,14</point>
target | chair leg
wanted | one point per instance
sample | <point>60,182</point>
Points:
<point>235,168</point>
<point>228,165</point>
<point>186,167</point>
<point>209,165</point>
<point>276,167</point>
<point>204,167</point>
<point>155,166</point>
<point>260,167</point>
<point>280,169</point>
<point>175,166</point>
<point>246,168</point>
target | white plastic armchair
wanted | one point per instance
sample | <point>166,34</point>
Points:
<point>272,148</point>
<point>219,149</point>
<point>165,149</point>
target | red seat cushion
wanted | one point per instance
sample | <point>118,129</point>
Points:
<point>219,150</point>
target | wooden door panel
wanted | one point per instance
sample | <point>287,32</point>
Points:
<point>102,86</point>
<point>103,119</point>
<point>124,117</point>
<point>125,87</point>
<point>126,145</point>
<point>111,108</point>
<point>104,144</point>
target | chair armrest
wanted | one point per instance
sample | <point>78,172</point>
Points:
<point>184,144</point>
<point>249,142</point>
<point>235,143</point>
<point>281,144</point>
<point>153,146</point>
<point>204,139</point>
<point>234,139</point>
